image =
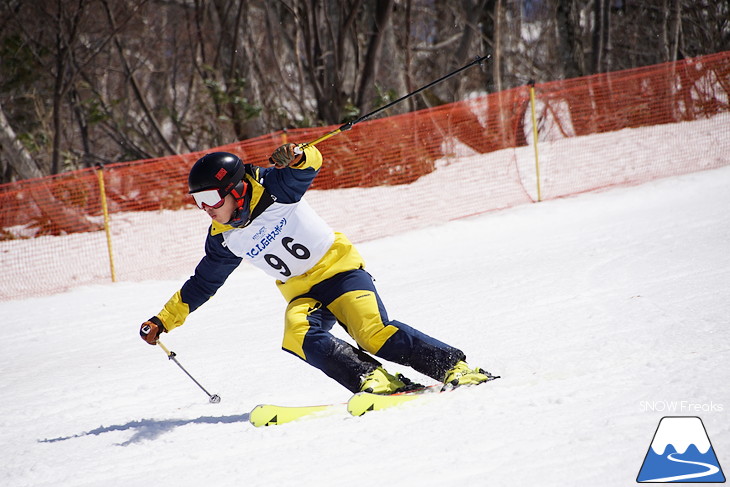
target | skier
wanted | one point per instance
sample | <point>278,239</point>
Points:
<point>259,215</point>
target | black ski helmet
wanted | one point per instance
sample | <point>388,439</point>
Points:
<point>218,170</point>
<point>224,172</point>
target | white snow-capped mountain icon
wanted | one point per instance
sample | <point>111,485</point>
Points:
<point>680,452</point>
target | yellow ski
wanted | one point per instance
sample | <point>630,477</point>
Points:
<point>363,402</point>
<point>270,414</point>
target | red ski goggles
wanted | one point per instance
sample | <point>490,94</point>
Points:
<point>210,198</point>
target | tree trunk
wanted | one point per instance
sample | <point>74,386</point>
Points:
<point>569,43</point>
<point>15,153</point>
<point>497,57</point>
<point>383,11</point>
<point>601,36</point>
<point>58,94</point>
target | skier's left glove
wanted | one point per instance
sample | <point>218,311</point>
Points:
<point>151,329</point>
<point>286,155</point>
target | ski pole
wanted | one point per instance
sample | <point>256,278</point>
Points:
<point>348,125</point>
<point>214,398</point>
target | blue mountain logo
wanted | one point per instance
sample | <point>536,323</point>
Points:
<point>680,452</point>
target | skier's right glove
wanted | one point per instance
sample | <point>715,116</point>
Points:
<point>151,329</point>
<point>286,155</point>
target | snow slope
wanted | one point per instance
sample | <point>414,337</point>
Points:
<point>601,312</point>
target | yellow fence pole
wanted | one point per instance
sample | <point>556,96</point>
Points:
<point>534,138</point>
<point>102,191</point>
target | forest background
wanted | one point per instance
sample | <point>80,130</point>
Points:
<point>85,82</point>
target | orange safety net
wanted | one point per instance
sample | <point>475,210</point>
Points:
<point>383,176</point>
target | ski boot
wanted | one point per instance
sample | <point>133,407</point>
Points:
<point>462,374</point>
<point>379,381</point>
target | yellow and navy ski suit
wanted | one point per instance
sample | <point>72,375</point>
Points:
<point>320,274</point>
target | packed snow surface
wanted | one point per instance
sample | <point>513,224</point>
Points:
<point>602,313</point>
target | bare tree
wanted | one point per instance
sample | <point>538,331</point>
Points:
<point>15,153</point>
<point>601,36</point>
<point>87,81</point>
<point>570,40</point>
<point>381,21</point>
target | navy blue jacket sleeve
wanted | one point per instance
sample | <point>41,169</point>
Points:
<point>210,274</point>
<point>289,184</point>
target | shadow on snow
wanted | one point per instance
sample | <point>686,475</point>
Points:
<point>149,429</point>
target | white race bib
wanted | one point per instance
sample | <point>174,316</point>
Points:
<point>285,240</point>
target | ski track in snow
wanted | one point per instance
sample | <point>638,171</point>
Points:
<point>585,306</point>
